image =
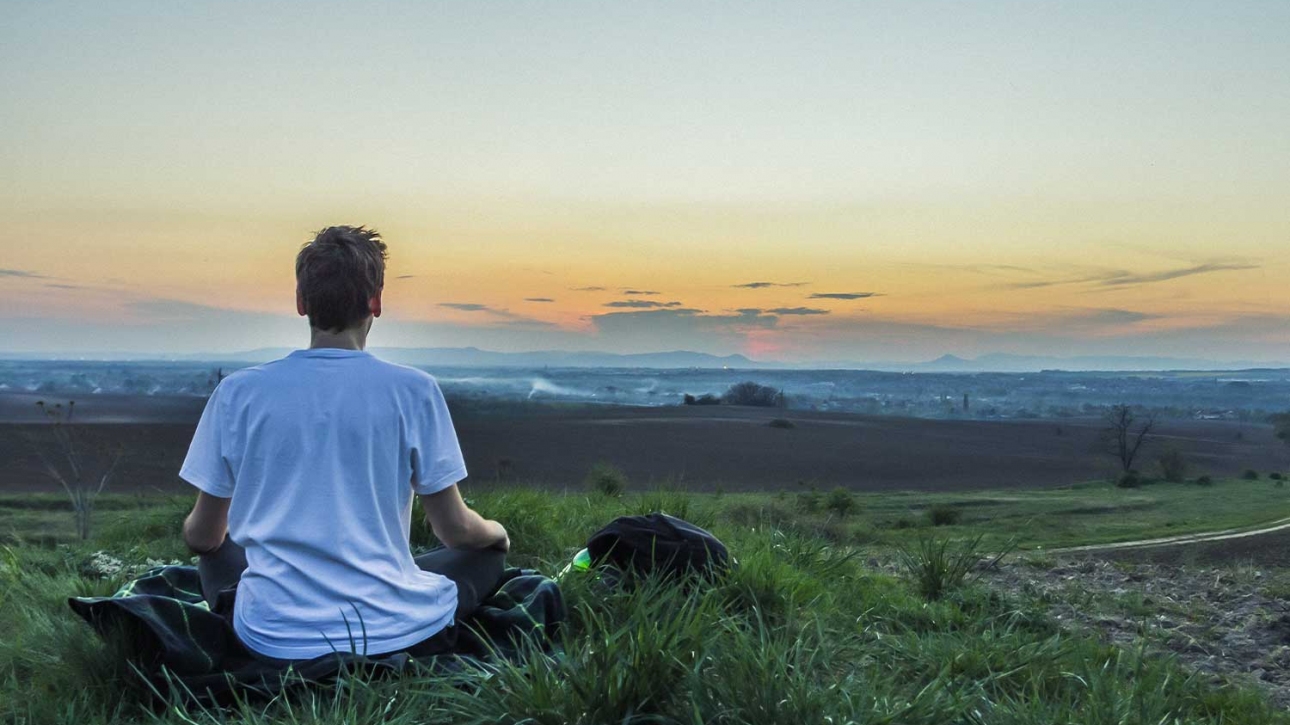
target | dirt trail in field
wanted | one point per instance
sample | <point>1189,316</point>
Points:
<point>1205,537</point>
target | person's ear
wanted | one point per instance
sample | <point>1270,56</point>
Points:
<point>374,304</point>
<point>300,303</point>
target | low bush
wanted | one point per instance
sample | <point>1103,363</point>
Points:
<point>605,478</point>
<point>1276,476</point>
<point>750,393</point>
<point>1130,479</point>
<point>782,423</point>
<point>840,502</point>
<point>943,515</point>
<point>1204,481</point>
<point>1250,474</point>
<point>705,399</point>
<point>808,501</point>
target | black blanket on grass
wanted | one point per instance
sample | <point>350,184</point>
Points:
<point>186,649</point>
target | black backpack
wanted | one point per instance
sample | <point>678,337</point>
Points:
<point>658,543</point>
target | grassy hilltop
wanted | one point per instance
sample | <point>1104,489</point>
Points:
<point>815,625</point>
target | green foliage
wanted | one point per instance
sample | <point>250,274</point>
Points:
<point>784,423</point>
<point>943,515</point>
<point>1250,475</point>
<point>809,501</point>
<point>841,502</point>
<point>801,631</point>
<point>605,478</point>
<point>1130,479</point>
<point>937,566</point>
<point>1276,476</point>
<point>1204,481</point>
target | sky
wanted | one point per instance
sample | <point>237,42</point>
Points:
<point>813,181</point>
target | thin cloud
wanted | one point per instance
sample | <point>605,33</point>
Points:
<point>22,274</point>
<point>641,304</point>
<point>510,317</point>
<point>538,299</point>
<point>587,289</point>
<point>1130,279</point>
<point>1124,278</point>
<point>797,311</point>
<point>762,285</point>
<point>405,276</point>
<point>842,295</point>
<point>646,292</point>
<point>58,285</point>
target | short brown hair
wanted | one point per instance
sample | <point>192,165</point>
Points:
<point>337,273</point>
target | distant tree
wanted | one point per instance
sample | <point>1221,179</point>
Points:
<point>750,393</point>
<point>1126,431</point>
<point>67,456</point>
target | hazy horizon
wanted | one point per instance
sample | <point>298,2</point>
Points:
<point>820,181</point>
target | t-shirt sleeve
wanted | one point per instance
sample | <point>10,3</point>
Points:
<point>206,465</point>
<point>437,462</point>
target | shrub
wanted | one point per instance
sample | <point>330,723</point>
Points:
<point>938,566</point>
<point>943,515</point>
<point>607,479</point>
<point>782,423</point>
<point>1250,474</point>
<point>750,393</point>
<point>705,399</point>
<point>1204,481</point>
<point>1275,476</point>
<point>1131,479</point>
<point>841,502</point>
<point>1173,466</point>
<point>808,501</point>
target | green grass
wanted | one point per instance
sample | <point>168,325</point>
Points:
<point>802,631</point>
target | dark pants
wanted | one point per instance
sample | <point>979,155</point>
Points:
<point>477,574</point>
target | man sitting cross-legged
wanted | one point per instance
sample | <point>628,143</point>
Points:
<point>307,467</point>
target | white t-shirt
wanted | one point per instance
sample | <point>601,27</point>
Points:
<point>322,452</point>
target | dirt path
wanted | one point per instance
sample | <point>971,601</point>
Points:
<point>1198,538</point>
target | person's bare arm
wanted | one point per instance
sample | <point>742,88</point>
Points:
<point>458,526</point>
<point>207,524</point>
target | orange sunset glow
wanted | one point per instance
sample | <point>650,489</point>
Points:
<point>844,183</point>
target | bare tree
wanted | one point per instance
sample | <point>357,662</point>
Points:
<point>1126,431</point>
<point>82,469</point>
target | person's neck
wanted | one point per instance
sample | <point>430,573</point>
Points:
<point>350,339</point>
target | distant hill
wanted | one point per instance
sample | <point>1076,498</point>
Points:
<point>1005,363</point>
<point>475,357</point>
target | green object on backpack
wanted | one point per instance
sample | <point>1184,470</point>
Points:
<point>581,563</point>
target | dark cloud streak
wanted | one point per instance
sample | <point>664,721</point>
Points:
<point>762,285</point>
<point>843,295</point>
<point>22,274</point>
<point>641,304</point>
<point>797,311</point>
